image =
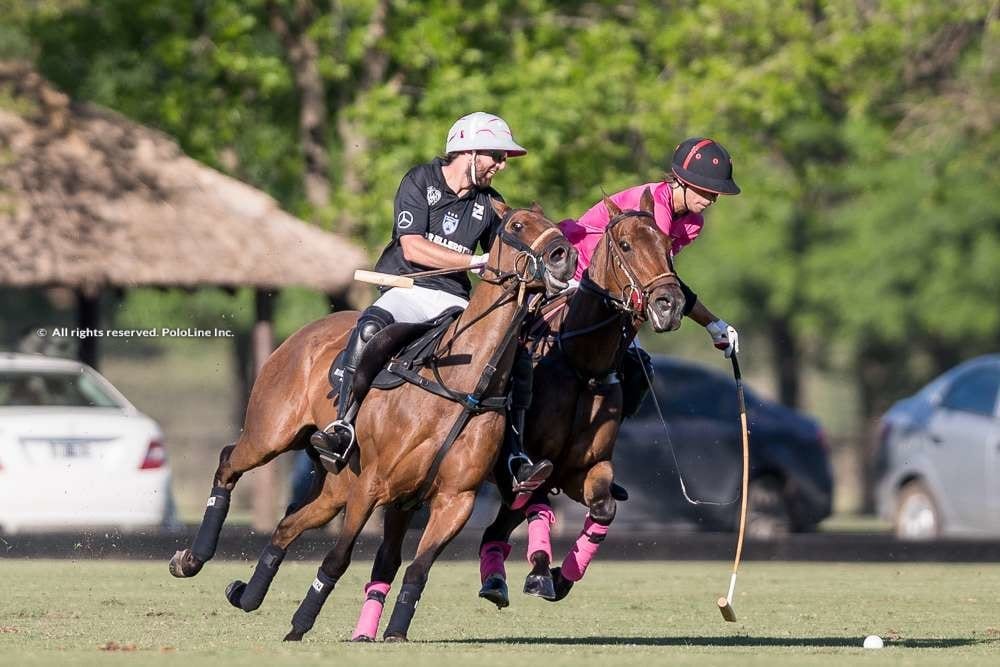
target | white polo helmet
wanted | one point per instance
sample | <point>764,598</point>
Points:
<point>481,131</point>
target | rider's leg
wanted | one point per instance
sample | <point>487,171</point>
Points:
<point>637,376</point>
<point>337,438</point>
<point>515,468</point>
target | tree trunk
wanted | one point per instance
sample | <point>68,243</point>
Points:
<point>876,373</point>
<point>354,142</point>
<point>302,54</point>
<point>787,361</point>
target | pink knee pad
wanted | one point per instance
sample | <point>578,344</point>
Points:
<point>579,557</point>
<point>371,610</point>
<point>540,520</point>
<point>491,559</point>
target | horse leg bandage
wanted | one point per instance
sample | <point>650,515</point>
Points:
<point>492,556</point>
<point>256,589</point>
<point>540,520</point>
<point>207,539</point>
<point>402,612</point>
<point>371,610</point>
<point>577,560</point>
<point>319,591</point>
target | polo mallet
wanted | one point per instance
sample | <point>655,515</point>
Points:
<point>726,603</point>
<point>406,280</point>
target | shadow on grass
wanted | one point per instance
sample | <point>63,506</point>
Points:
<point>743,640</point>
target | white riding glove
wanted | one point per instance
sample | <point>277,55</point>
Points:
<point>477,263</point>
<point>724,337</point>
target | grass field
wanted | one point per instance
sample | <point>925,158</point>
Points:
<point>87,612</point>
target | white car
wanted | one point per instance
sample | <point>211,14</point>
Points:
<point>938,460</point>
<point>74,452</point>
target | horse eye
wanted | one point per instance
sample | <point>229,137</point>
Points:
<point>624,245</point>
<point>517,226</point>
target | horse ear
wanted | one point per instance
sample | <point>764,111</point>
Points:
<point>613,209</point>
<point>646,201</point>
<point>498,206</point>
<point>537,208</point>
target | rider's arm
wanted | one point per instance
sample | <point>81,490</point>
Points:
<point>701,314</point>
<point>418,250</point>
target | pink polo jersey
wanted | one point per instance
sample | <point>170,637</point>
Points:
<point>586,232</point>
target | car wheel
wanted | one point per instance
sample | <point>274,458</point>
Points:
<point>767,512</point>
<point>917,515</point>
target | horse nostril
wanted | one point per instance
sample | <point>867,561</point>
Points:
<point>663,304</point>
<point>557,256</point>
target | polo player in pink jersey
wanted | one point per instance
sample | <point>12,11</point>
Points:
<point>700,171</point>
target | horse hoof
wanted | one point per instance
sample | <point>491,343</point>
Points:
<point>495,590</point>
<point>234,591</point>
<point>363,639</point>
<point>540,585</point>
<point>293,636</point>
<point>395,639</point>
<point>184,564</point>
<point>561,584</point>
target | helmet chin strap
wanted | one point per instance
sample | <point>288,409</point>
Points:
<point>472,170</point>
<point>684,197</point>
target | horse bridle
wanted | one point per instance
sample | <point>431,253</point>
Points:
<point>635,296</point>
<point>529,264</point>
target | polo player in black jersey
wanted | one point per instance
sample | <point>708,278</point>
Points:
<point>442,213</point>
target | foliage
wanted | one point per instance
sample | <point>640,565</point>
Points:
<point>863,133</point>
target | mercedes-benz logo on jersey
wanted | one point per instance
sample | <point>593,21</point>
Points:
<point>450,223</point>
<point>404,220</point>
<point>433,195</point>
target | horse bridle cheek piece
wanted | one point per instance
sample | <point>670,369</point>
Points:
<point>635,296</point>
<point>529,263</point>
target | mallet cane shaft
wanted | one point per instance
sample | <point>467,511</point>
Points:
<point>726,603</point>
<point>406,280</point>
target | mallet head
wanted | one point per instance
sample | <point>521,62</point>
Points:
<point>727,610</point>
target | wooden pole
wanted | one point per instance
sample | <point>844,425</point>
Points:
<point>265,497</point>
<point>88,316</point>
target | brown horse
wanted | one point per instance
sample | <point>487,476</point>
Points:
<point>576,409</point>
<point>400,431</point>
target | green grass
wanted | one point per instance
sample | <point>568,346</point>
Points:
<point>59,612</point>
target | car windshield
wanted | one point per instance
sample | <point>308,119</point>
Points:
<point>65,389</point>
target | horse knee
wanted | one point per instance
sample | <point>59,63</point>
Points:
<point>602,511</point>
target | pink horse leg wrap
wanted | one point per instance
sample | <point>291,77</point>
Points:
<point>540,520</point>
<point>577,560</point>
<point>491,558</point>
<point>371,610</point>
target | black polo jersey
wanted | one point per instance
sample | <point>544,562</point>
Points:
<point>425,205</point>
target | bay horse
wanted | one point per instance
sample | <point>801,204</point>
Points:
<point>576,409</point>
<point>401,431</point>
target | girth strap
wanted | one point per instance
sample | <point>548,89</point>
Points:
<point>412,376</point>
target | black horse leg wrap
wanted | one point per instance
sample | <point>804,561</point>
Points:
<point>305,615</point>
<point>402,612</point>
<point>263,575</point>
<point>207,538</point>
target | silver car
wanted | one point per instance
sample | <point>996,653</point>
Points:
<point>938,460</point>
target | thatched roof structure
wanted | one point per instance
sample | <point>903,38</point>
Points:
<point>89,199</point>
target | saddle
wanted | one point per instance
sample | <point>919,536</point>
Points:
<point>401,345</point>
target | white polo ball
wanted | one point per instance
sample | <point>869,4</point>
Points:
<point>873,641</point>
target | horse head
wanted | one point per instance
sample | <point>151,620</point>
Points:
<point>634,262</point>
<point>530,248</point>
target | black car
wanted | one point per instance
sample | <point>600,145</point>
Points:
<point>791,485</point>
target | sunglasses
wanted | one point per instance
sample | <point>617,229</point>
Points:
<point>496,156</point>
<point>705,194</point>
